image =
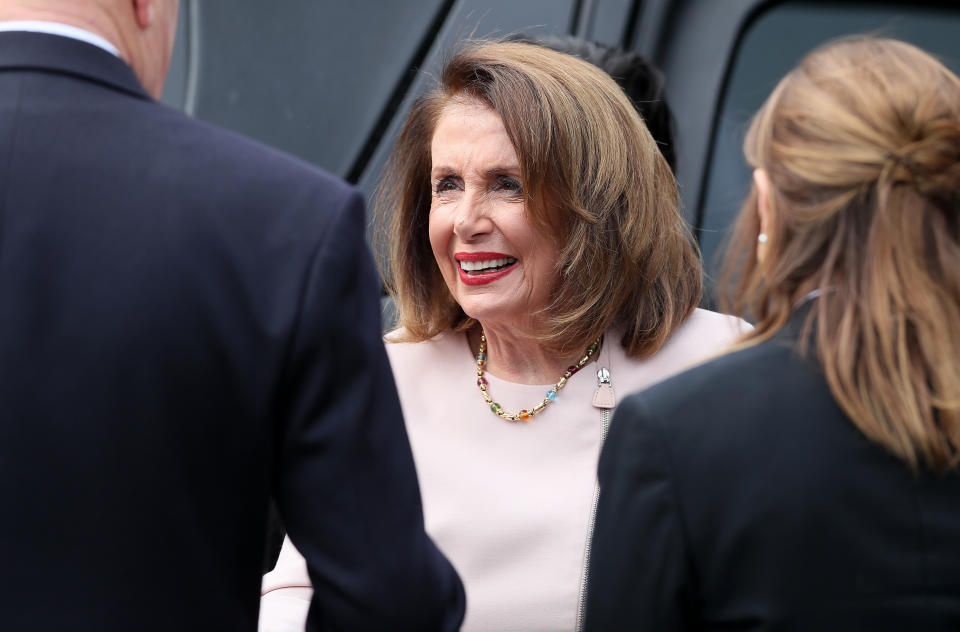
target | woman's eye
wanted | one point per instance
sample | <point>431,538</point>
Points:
<point>506,183</point>
<point>444,184</point>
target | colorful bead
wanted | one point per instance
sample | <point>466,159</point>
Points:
<point>551,396</point>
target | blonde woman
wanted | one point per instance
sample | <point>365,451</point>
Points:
<point>541,268</point>
<point>809,480</point>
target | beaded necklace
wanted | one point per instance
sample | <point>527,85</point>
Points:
<point>526,415</point>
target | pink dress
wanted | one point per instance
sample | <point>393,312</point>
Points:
<point>510,504</point>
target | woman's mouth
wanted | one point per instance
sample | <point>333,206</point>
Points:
<point>479,268</point>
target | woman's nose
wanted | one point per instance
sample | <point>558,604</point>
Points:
<point>472,219</point>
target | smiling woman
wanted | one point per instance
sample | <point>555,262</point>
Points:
<point>499,268</point>
<point>533,231</point>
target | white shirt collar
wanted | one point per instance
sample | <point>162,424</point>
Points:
<point>56,28</point>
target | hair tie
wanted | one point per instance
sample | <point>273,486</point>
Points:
<point>903,161</point>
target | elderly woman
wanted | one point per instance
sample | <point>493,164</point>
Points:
<point>541,267</point>
<point>813,482</point>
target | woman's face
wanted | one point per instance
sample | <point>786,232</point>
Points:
<point>498,266</point>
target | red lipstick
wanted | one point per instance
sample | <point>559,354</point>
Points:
<point>482,278</point>
<point>480,256</point>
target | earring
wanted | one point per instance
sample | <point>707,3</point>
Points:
<point>762,238</point>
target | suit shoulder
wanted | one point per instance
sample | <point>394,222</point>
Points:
<point>772,372</point>
<point>721,368</point>
<point>742,402</point>
<point>207,149</point>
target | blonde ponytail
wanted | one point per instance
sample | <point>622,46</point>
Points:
<point>862,146</point>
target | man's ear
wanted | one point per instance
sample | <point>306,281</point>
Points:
<point>143,11</point>
<point>764,209</point>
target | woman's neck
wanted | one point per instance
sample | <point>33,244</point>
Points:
<point>519,358</point>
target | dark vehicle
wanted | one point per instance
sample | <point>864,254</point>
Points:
<point>332,81</point>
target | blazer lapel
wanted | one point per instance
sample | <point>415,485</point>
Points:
<point>54,53</point>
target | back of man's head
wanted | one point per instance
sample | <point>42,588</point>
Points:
<point>142,30</point>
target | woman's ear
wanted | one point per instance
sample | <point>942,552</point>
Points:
<point>764,210</point>
<point>762,181</point>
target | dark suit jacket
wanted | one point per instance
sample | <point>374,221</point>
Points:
<point>738,496</point>
<point>189,324</point>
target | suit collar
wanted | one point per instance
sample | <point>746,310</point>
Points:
<point>59,28</point>
<point>54,53</point>
<point>791,333</point>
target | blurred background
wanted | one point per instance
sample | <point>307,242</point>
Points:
<point>332,81</point>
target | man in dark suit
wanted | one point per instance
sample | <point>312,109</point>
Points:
<point>189,325</point>
<point>739,496</point>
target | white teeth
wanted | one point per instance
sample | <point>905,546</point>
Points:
<point>473,266</point>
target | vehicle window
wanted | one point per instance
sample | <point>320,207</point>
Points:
<point>329,81</point>
<point>311,79</point>
<point>769,47</point>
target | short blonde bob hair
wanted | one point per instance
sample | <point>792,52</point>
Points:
<point>861,143</point>
<point>593,178</point>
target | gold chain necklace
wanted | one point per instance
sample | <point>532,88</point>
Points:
<point>526,415</point>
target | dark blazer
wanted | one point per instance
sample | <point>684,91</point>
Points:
<point>189,325</point>
<point>738,496</point>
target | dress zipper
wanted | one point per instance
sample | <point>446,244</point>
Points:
<point>603,377</point>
